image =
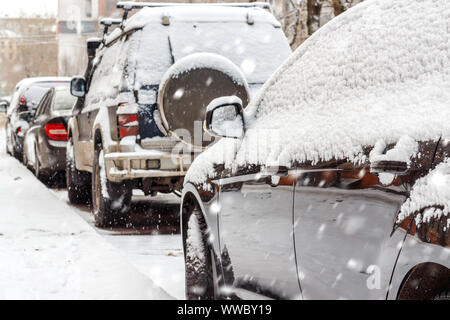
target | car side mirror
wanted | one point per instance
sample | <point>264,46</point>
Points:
<point>78,87</point>
<point>225,118</point>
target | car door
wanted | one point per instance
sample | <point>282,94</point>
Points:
<point>256,237</point>
<point>344,217</point>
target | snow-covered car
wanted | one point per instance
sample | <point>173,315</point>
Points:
<point>146,96</point>
<point>24,101</point>
<point>45,141</point>
<point>335,182</point>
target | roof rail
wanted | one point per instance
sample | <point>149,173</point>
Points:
<point>107,23</point>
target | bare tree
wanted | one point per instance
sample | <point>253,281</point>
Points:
<point>301,18</point>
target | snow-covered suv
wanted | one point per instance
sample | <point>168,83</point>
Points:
<point>145,94</point>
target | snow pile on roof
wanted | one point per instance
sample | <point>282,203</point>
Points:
<point>28,81</point>
<point>379,71</point>
<point>430,196</point>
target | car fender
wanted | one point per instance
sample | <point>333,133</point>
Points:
<point>102,125</point>
<point>417,253</point>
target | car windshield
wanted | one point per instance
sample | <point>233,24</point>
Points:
<point>63,99</point>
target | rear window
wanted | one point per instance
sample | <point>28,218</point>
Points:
<point>34,93</point>
<point>63,99</point>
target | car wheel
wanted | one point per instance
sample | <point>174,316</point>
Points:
<point>8,142</point>
<point>110,201</point>
<point>78,184</point>
<point>444,295</point>
<point>198,260</point>
<point>24,158</point>
<point>38,170</point>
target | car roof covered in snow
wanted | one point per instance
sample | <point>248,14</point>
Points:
<point>28,81</point>
<point>194,13</point>
<point>374,75</point>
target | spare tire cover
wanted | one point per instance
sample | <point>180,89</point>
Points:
<point>187,89</point>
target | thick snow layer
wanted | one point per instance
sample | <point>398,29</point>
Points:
<point>48,252</point>
<point>379,71</point>
<point>430,196</point>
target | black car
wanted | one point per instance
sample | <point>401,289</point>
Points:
<point>25,99</point>
<point>45,141</point>
<point>334,183</point>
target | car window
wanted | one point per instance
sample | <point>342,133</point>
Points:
<point>108,77</point>
<point>63,100</point>
<point>42,105</point>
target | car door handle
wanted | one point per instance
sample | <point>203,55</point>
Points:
<point>388,166</point>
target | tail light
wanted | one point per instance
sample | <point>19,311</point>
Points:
<point>56,131</point>
<point>127,120</point>
<point>18,130</point>
<point>22,101</point>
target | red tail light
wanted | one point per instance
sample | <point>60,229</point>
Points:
<point>127,120</point>
<point>22,101</point>
<point>19,130</point>
<point>56,131</point>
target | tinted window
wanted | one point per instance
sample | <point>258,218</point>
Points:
<point>63,99</point>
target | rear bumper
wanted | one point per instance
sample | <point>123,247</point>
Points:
<point>133,165</point>
<point>53,156</point>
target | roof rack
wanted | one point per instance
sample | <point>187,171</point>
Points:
<point>107,23</point>
<point>127,6</point>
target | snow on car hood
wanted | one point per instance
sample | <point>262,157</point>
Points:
<point>379,71</point>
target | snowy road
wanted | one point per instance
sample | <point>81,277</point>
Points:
<point>50,249</point>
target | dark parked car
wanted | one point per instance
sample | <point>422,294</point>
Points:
<point>334,183</point>
<point>44,149</point>
<point>24,101</point>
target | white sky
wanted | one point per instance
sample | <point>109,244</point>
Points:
<point>16,8</point>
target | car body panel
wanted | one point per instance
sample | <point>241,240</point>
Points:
<point>51,154</point>
<point>343,233</point>
<point>256,233</point>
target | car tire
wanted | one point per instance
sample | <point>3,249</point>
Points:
<point>77,182</point>
<point>25,159</point>
<point>7,142</point>
<point>444,295</point>
<point>38,170</point>
<point>198,260</point>
<point>111,201</point>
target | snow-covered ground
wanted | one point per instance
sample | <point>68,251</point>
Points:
<point>51,250</point>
